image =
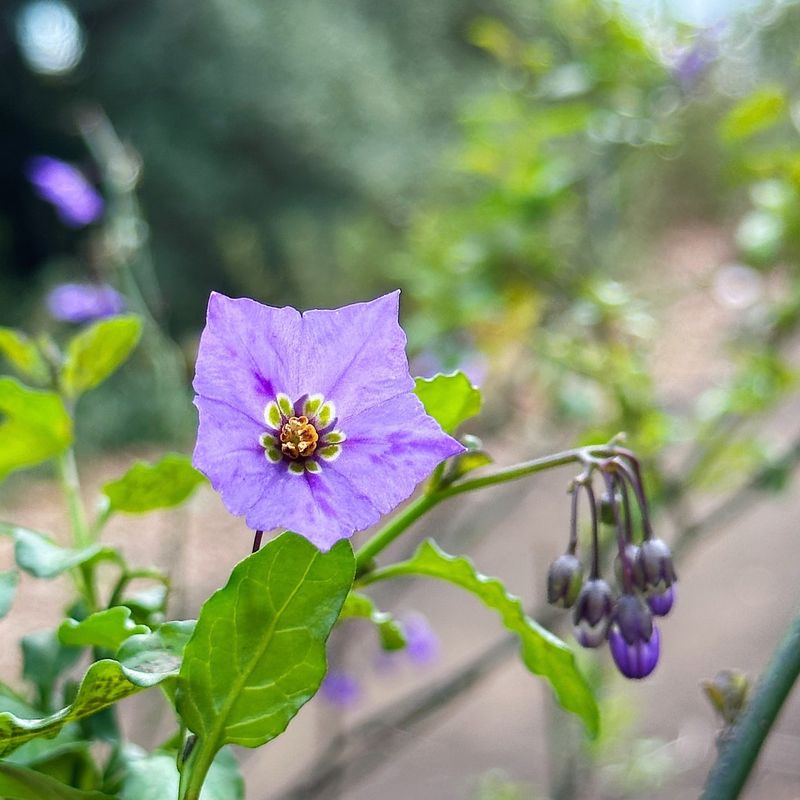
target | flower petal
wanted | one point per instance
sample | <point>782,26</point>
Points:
<point>391,448</point>
<point>245,353</point>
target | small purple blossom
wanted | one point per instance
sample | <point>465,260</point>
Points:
<point>341,689</point>
<point>309,421</point>
<point>635,660</point>
<point>422,643</point>
<point>661,604</point>
<point>76,201</point>
<point>83,302</point>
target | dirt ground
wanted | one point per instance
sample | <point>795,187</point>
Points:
<point>738,590</point>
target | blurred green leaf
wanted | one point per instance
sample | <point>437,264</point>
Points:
<point>146,487</point>
<point>542,653</point>
<point>389,630</point>
<point>105,683</point>
<point>449,399</point>
<point>279,605</point>
<point>34,426</point>
<point>155,777</point>
<point>158,652</point>
<point>23,355</point>
<point>39,556</point>
<point>21,783</point>
<point>96,352</point>
<point>108,628</point>
<point>8,587</point>
<point>44,659</point>
<point>754,113</point>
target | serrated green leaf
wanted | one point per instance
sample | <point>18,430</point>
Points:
<point>390,631</point>
<point>21,783</point>
<point>449,399</point>
<point>23,354</point>
<point>34,426</point>
<point>39,556</point>
<point>155,777</point>
<point>156,653</point>
<point>258,651</point>
<point>147,487</point>
<point>105,683</point>
<point>108,628</point>
<point>8,588</point>
<point>542,653</point>
<point>755,113</point>
<point>96,352</point>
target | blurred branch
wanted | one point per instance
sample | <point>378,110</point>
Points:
<point>362,749</point>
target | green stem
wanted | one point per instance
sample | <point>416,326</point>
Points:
<point>738,754</point>
<point>425,502</point>
<point>194,771</point>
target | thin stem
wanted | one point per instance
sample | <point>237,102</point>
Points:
<point>626,510</point>
<point>257,541</point>
<point>738,754</point>
<point>611,488</point>
<point>573,521</point>
<point>595,573</point>
<point>194,770</point>
<point>634,478</point>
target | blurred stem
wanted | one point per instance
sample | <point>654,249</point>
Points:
<point>738,754</point>
<point>425,502</point>
<point>194,770</point>
<point>81,534</point>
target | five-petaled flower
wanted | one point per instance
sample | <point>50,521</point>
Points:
<point>309,421</point>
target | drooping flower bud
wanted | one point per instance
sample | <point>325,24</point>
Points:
<point>655,561</point>
<point>593,610</point>
<point>635,660</point>
<point>632,618</point>
<point>564,581</point>
<point>632,559</point>
<point>661,604</point>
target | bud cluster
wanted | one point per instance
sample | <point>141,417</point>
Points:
<point>644,577</point>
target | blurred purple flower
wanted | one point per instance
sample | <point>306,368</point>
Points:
<point>76,201</point>
<point>341,689</point>
<point>309,421</point>
<point>422,644</point>
<point>83,302</point>
<point>692,61</point>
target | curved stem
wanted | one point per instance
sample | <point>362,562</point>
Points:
<point>194,770</point>
<point>587,487</point>
<point>738,754</point>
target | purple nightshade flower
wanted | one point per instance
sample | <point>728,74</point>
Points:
<point>341,689</point>
<point>661,604</point>
<point>422,644</point>
<point>83,302</point>
<point>635,660</point>
<point>76,201</point>
<point>309,421</point>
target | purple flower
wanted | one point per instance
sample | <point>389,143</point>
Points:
<point>661,604</point>
<point>309,421</point>
<point>422,644</point>
<point>76,201</point>
<point>341,688</point>
<point>83,302</point>
<point>592,613</point>
<point>635,660</point>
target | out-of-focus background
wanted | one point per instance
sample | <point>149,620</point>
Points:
<point>591,208</point>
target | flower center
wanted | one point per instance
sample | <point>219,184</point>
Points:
<point>298,438</point>
<point>302,435</point>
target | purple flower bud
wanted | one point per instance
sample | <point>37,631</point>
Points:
<point>341,689</point>
<point>661,604</point>
<point>655,562</point>
<point>83,302</point>
<point>76,201</point>
<point>632,558</point>
<point>422,644</point>
<point>593,610</point>
<point>632,618</point>
<point>564,581</point>
<point>635,660</point>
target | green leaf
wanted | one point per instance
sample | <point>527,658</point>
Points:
<point>542,653</point>
<point>449,399</point>
<point>105,683</point>
<point>8,587</point>
<point>155,777</point>
<point>108,628</point>
<point>23,354</point>
<point>21,783</point>
<point>146,487</point>
<point>754,113</point>
<point>156,653</point>
<point>258,651</point>
<point>34,426</point>
<point>96,352</point>
<point>389,630</point>
<point>38,555</point>
<point>44,658</point>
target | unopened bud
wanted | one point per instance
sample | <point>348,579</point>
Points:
<point>655,561</point>
<point>728,693</point>
<point>564,581</point>
<point>635,569</point>
<point>661,604</point>
<point>636,660</point>
<point>593,610</point>
<point>605,508</point>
